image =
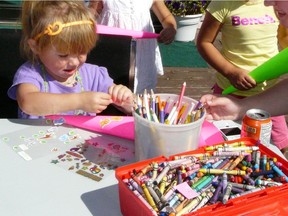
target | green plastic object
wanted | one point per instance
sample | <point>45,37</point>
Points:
<point>271,69</point>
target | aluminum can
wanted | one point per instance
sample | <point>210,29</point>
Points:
<point>257,124</point>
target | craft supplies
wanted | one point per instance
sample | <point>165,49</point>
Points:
<point>172,131</point>
<point>214,191</point>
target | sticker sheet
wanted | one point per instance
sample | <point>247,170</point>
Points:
<point>47,137</point>
<point>97,156</point>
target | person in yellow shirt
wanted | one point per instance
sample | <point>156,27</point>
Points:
<point>249,38</point>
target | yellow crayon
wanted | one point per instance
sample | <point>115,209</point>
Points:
<point>221,171</point>
<point>163,184</point>
<point>149,198</point>
<point>239,144</point>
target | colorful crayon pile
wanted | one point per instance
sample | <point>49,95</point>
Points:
<point>192,181</point>
<point>167,111</point>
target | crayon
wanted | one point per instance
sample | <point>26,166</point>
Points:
<point>267,183</point>
<point>181,205</point>
<point>154,195</point>
<point>261,173</point>
<point>205,199</point>
<point>225,181</point>
<point>163,184</point>
<point>162,174</point>
<point>243,186</point>
<point>191,205</point>
<point>204,183</point>
<point>236,162</point>
<point>141,198</point>
<point>175,199</point>
<point>241,148</point>
<point>136,186</point>
<point>221,171</point>
<point>149,198</point>
<point>278,171</point>
<point>170,189</point>
<point>247,192</point>
<point>216,194</point>
<point>227,193</point>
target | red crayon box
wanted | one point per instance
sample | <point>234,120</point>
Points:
<point>272,199</point>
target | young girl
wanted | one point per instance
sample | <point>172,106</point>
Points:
<point>57,35</point>
<point>249,38</point>
<point>135,15</point>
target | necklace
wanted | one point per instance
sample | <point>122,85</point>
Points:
<point>71,83</point>
<point>76,78</point>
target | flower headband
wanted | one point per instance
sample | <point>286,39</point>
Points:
<point>59,27</point>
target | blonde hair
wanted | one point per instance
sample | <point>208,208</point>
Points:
<point>77,36</point>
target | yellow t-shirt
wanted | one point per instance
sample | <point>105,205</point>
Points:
<point>249,37</point>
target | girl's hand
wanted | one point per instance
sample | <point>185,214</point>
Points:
<point>94,102</point>
<point>121,95</point>
<point>167,35</point>
<point>241,80</point>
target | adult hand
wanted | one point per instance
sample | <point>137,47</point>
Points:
<point>221,108</point>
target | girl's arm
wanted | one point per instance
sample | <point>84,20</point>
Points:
<point>167,20</point>
<point>205,39</point>
<point>33,102</point>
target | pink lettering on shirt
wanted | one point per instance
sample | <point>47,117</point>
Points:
<point>237,20</point>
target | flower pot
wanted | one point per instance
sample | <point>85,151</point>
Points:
<point>187,27</point>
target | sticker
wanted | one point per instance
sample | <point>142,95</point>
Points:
<point>24,156</point>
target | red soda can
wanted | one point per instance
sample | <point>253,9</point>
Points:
<point>257,124</point>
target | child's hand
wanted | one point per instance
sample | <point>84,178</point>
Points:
<point>167,35</point>
<point>241,80</point>
<point>94,102</point>
<point>121,95</point>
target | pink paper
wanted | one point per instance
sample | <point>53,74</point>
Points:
<point>121,126</point>
<point>210,134</point>
<point>102,29</point>
<point>186,190</point>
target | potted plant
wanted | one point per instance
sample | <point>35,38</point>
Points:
<point>188,14</point>
<point>186,7</point>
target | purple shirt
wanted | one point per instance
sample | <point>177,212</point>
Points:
<point>93,78</point>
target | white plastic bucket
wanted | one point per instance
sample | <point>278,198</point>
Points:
<point>154,139</point>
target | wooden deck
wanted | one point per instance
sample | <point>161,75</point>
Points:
<point>198,81</point>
